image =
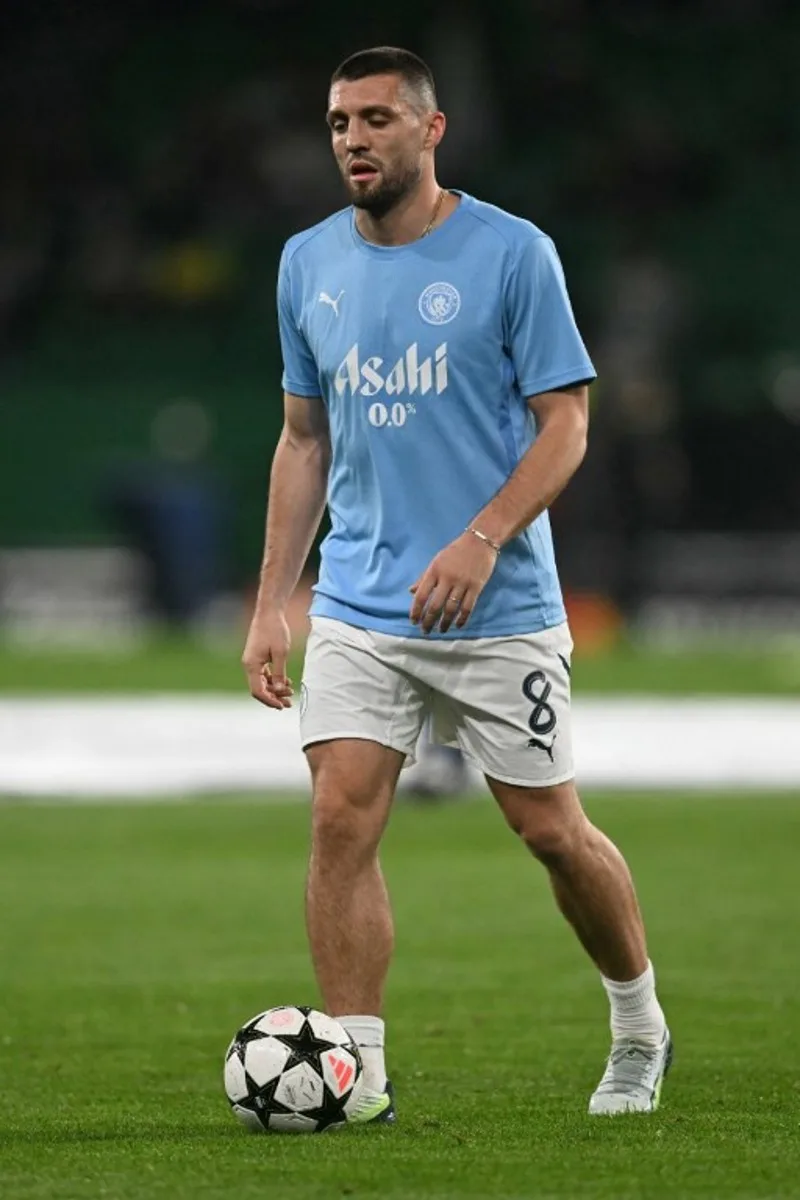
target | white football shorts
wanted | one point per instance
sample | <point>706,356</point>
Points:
<point>503,701</point>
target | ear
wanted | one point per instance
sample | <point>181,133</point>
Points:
<point>437,123</point>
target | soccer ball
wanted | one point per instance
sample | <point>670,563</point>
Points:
<point>294,1070</point>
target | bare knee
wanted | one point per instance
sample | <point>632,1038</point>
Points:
<point>341,828</point>
<point>554,843</point>
<point>550,821</point>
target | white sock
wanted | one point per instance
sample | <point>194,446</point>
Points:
<point>635,1011</point>
<point>368,1034</point>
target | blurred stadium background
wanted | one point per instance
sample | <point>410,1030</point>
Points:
<point>154,156</point>
<point>154,159</point>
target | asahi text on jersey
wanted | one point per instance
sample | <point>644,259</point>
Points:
<point>368,376</point>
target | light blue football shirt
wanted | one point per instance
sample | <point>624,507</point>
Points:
<point>423,355</point>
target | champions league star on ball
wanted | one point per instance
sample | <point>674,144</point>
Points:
<point>436,398</point>
<point>292,1070</point>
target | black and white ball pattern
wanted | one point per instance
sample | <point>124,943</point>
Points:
<point>293,1070</point>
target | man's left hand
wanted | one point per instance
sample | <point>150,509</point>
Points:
<point>449,588</point>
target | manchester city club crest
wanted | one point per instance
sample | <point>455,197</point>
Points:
<point>439,303</point>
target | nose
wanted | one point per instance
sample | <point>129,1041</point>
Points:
<point>357,138</point>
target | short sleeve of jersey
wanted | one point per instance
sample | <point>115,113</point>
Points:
<point>300,375</point>
<point>546,349</point>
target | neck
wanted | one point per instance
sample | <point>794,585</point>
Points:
<point>407,219</point>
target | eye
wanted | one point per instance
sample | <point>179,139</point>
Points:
<point>338,125</point>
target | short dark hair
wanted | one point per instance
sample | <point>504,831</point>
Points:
<point>390,60</point>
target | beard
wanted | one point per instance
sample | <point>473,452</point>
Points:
<point>381,198</point>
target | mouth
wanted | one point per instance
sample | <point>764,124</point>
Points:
<point>361,171</point>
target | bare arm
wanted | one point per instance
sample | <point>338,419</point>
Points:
<point>297,486</point>
<point>543,472</point>
<point>297,489</point>
<point>451,585</point>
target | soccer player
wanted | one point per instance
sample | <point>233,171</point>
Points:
<point>436,396</point>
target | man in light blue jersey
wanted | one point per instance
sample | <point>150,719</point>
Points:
<point>436,398</point>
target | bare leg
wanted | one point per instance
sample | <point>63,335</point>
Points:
<point>348,916</point>
<point>590,878</point>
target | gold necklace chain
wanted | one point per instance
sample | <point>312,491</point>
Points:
<point>434,215</point>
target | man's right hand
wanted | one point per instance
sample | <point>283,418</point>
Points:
<point>264,659</point>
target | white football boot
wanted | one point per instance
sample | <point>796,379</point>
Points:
<point>633,1077</point>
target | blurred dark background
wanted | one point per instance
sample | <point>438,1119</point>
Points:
<point>154,157</point>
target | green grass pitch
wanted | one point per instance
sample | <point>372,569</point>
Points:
<point>134,940</point>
